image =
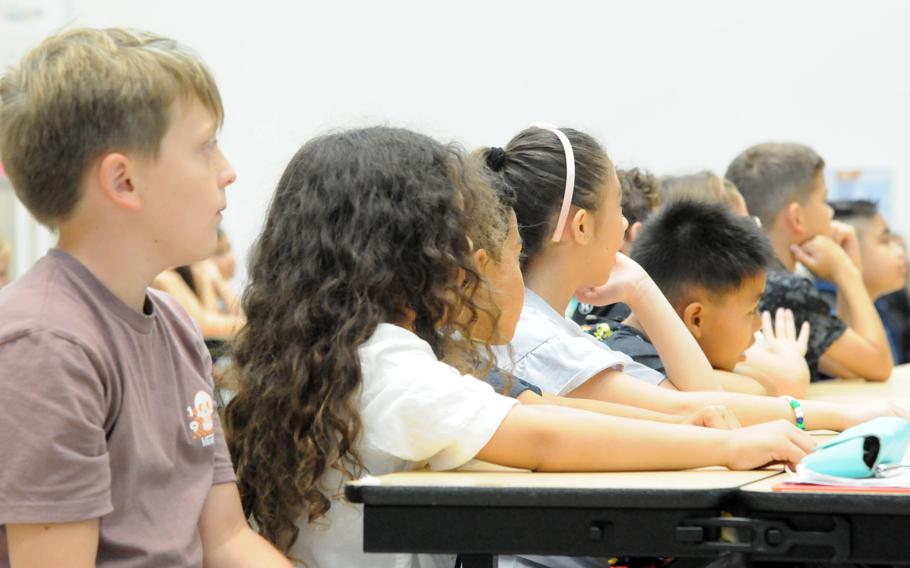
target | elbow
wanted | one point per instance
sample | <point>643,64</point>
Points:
<point>882,371</point>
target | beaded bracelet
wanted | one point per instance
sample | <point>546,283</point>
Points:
<point>797,410</point>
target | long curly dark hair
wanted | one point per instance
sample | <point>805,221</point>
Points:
<point>366,226</point>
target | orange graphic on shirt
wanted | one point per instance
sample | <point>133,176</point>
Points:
<point>202,418</point>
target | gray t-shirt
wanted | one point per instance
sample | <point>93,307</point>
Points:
<point>106,413</point>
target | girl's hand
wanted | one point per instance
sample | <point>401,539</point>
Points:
<point>763,444</point>
<point>624,284</point>
<point>713,417</point>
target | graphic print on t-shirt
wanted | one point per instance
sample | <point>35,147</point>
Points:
<point>202,418</point>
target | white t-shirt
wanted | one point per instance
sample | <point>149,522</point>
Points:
<point>553,353</point>
<point>416,411</point>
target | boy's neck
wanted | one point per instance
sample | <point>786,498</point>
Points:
<point>781,244</point>
<point>121,266</point>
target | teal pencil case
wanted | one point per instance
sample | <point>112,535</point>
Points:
<point>864,450</point>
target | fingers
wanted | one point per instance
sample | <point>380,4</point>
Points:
<point>600,295</point>
<point>791,454</point>
<point>790,324</point>
<point>800,254</point>
<point>803,339</point>
<point>719,417</point>
<point>780,324</point>
<point>766,327</point>
<point>801,439</point>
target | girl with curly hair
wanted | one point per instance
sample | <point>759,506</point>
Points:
<point>386,268</point>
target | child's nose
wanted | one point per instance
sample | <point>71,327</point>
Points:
<point>228,177</point>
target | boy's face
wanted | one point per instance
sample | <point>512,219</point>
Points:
<point>727,322</point>
<point>182,189</point>
<point>817,214</point>
<point>884,259</point>
<point>506,290</point>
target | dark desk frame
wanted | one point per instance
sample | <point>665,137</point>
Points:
<point>480,523</point>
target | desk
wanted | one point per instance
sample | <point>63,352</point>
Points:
<point>852,527</point>
<point>591,514</point>
<point>857,390</point>
<point>676,514</point>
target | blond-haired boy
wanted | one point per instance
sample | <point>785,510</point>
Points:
<point>113,452</point>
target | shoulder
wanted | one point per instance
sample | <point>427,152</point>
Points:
<point>393,353</point>
<point>169,309</point>
<point>45,311</point>
<point>784,288</point>
<point>795,292</point>
<point>177,325</point>
<point>537,327</point>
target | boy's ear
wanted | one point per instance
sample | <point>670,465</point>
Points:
<point>792,216</point>
<point>632,231</point>
<point>481,258</point>
<point>114,179</point>
<point>581,226</point>
<point>693,316</point>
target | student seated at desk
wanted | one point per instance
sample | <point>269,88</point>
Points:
<point>386,269</point>
<point>572,230</point>
<point>883,260</point>
<point>784,185</point>
<point>112,449</point>
<point>711,267</point>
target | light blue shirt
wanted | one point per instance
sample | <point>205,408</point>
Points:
<point>554,353</point>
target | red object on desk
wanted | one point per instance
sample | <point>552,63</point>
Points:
<point>2,171</point>
<point>809,488</point>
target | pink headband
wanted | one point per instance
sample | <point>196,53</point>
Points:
<point>570,176</point>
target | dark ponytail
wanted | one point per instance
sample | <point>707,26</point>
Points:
<point>531,171</point>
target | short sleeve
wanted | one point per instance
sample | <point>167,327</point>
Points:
<point>785,290</point>
<point>53,410</point>
<point>562,364</point>
<point>224,468</point>
<point>432,413</point>
<point>509,386</point>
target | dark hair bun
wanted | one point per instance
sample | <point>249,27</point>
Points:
<point>496,157</point>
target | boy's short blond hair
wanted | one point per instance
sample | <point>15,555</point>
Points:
<point>85,92</point>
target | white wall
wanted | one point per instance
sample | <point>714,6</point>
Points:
<point>667,85</point>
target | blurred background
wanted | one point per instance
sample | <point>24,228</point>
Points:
<point>671,86</point>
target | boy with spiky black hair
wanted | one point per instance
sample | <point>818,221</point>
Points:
<point>711,266</point>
